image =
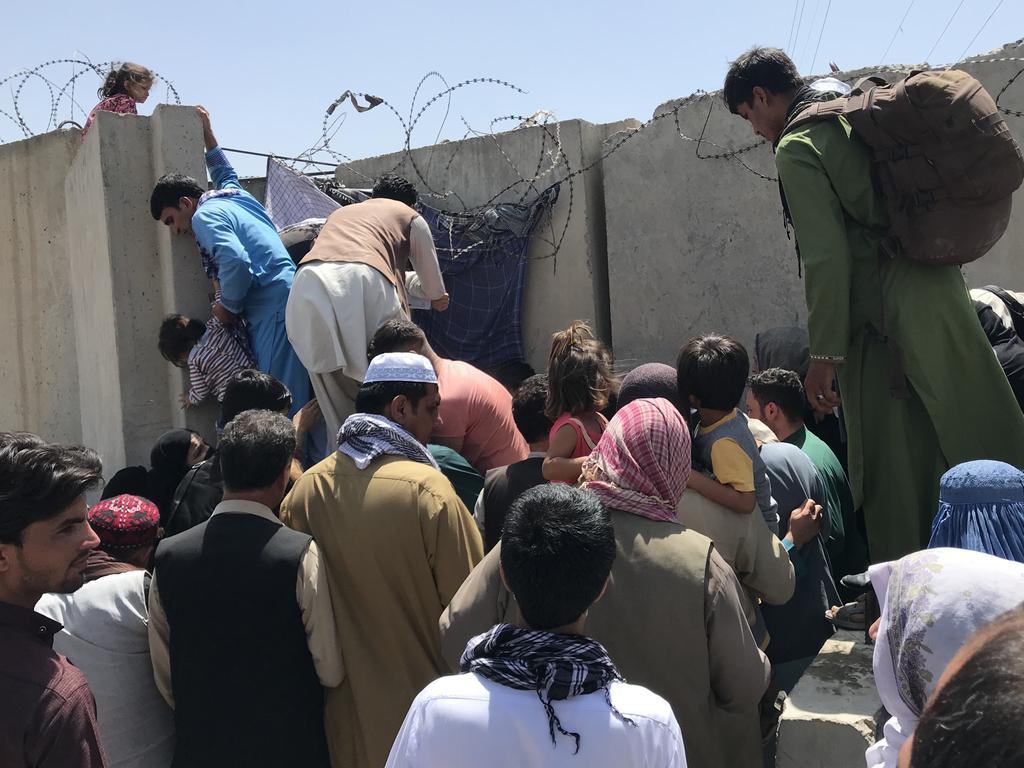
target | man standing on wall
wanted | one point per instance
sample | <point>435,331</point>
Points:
<point>920,387</point>
<point>242,253</point>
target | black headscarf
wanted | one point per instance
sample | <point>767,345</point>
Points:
<point>133,481</point>
<point>787,348</point>
<point>168,464</point>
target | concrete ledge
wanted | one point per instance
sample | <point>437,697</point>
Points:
<point>829,719</point>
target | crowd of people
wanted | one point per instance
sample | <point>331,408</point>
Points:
<point>390,558</point>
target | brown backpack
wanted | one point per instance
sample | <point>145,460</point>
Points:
<point>944,160</point>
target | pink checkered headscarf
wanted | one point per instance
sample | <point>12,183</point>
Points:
<point>642,462</point>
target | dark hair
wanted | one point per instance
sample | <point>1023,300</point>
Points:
<point>557,549</point>
<point>394,187</point>
<point>39,480</point>
<point>511,374</point>
<point>375,397</point>
<point>118,77</point>
<point>782,387</point>
<point>769,68</point>
<point>178,334</point>
<point>169,189</point>
<point>528,408</point>
<point>974,718</point>
<point>579,372</point>
<point>253,390</point>
<point>396,336</point>
<point>255,449</point>
<point>714,369</point>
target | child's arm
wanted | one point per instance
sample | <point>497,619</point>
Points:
<point>742,502</point>
<point>198,387</point>
<point>557,465</point>
<point>733,486</point>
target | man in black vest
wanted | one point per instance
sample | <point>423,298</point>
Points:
<point>241,629</point>
<point>502,485</point>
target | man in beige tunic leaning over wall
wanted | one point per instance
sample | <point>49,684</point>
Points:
<point>353,281</point>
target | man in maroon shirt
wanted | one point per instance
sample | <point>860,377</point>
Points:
<point>47,712</point>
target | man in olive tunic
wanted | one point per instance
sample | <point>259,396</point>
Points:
<point>869,316</point>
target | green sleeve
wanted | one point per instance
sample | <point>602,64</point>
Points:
<point>821,235</point>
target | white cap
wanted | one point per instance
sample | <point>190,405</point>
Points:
<point>400,366</point>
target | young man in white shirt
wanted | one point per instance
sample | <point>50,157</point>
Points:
<point>547,695</point>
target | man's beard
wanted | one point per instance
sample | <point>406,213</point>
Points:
<point>71,581</point>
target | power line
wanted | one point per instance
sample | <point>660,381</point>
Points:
<point>944,30</point>
<point>894,34</point>
<point>792,24</point>
<point>961,58</point>
<point>824,21</point>
<point>799,23</point>
<point>810,27</point>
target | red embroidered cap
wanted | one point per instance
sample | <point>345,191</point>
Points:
<point>125,522</point>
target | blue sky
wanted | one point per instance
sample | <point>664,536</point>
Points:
<point>268,70</point>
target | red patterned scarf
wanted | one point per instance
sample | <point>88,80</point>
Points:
<point>642,462</point>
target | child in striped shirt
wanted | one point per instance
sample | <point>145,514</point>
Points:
<point>213,352</point>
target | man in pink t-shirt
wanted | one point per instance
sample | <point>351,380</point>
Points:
<point>475,415</point>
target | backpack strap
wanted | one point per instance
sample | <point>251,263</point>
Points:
<point>180,491</point>
<point>874,80</point>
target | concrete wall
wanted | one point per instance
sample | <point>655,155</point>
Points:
<point>127,273</point>
<point>828,720</point>
<point>658,245</point>
<point>560,288</point>
<point>698,245</point>
<point>38,366</point>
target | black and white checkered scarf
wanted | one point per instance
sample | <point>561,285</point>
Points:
<point>554,665</point>
<point>365,436</point>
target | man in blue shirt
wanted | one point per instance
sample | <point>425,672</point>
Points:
<point>242,253</point>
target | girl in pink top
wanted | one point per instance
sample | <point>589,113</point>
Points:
<point>124,87</point>
<point>579,379</point>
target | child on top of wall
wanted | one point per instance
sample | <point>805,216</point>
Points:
<point>579,376</point>
<point>711,374</point>
<point>213,352</point>
<point>124,87</point>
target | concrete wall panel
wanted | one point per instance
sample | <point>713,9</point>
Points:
<point>559,289</point>
<point>132,273</point>
<point>38,366</point>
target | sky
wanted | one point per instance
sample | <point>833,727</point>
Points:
<point>267,71</point>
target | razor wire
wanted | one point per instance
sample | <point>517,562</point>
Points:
<point>58,86</point>
<point>550,166</point>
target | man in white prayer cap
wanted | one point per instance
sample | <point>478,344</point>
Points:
<point>397,543</point>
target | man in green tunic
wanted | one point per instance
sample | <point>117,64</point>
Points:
<point>776,397</point>
<point>921,389</point>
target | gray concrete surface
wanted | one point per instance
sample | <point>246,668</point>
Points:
<point>828,719</point>
<point>127,273</point>
<point>38,367</point>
